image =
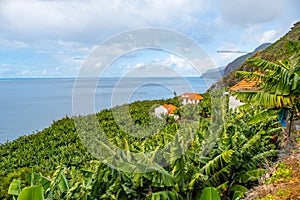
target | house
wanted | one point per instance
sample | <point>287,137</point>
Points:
<point>241,86</point>
<point>191,98</point>
<point>165,109</point>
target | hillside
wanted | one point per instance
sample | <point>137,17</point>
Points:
<point>240,60</point>
<point>186,161</point>
<point>282,181</point>
<point>213,73</point>
<point>279,50</point>
<point>60,144</point>
<point>145,157</point>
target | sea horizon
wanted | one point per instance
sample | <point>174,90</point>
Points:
<point>32,104</point>
<point>4,78</point>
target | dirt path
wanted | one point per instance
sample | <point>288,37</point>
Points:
<point>283,178</point>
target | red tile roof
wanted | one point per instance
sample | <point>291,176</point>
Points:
<point>244,85</point>
<point>171,108</point>
<point>191,95</point>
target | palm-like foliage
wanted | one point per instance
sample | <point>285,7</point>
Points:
<point>237,150</point>
<point>278,85</point>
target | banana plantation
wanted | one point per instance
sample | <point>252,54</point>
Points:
<point>209,153</point>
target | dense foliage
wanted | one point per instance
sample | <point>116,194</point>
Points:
<point>196,157</point>
<point>58,145</point>
<point>278,85</point>
<point>56,160</point>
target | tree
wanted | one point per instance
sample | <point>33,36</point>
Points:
<point>278,86</point>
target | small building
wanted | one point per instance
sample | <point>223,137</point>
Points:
<point>165,109</point>
<point>241,86</point>
<point>191,98</point>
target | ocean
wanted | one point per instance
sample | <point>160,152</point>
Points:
<point>28,105</point>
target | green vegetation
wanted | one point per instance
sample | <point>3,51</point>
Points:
<point>268,197</point>
<point>56,159</point>
<point>201,156</point>
<point>281,193</point>
<point>280,50</point>
<point>282,174</point>
<point>58,145</point>
<point>278,87</point>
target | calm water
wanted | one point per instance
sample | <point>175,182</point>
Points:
<point>29,105</point>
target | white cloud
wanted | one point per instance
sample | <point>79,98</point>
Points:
<point>153,70</point>
<point>251,12</point>
<point>268,36</point>
<point>98,65</point>
<point>172,66</point>
<point>68,29</point>
<point>89,20</point>
<point>24,73</point>
<point>4,69</point>
<point>176,62</point>
<point>254,35</point>
<point>13,43</point>
<point>71,45</point>
<point>140,64</point>
<point>92,21</point>
<point>228,46</point>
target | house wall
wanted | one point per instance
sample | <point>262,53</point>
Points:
<point>190,101</point>
<point>234,102</point>
<point>159,111</point>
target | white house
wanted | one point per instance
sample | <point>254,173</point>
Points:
<point>191,98</point>
<point>165,109</point>
<point>241,86</point>
<point>160,111</point>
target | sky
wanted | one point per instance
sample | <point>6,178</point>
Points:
<point>54,38</point>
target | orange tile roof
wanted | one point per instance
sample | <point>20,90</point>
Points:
<point>171,108</point>
<point>191,95</point>
<point>247,84</point>
<point>244,85</point>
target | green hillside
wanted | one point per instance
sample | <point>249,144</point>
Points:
<point>279,50</point>
<point>209,151</point>
<point>184,159</point>
<point>60,144</point>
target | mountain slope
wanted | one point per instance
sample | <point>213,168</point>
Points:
<point>279,50</point>
<point>213,73</point>
<point>240,60</point>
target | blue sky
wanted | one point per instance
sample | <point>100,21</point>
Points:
<point>52,38</point>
